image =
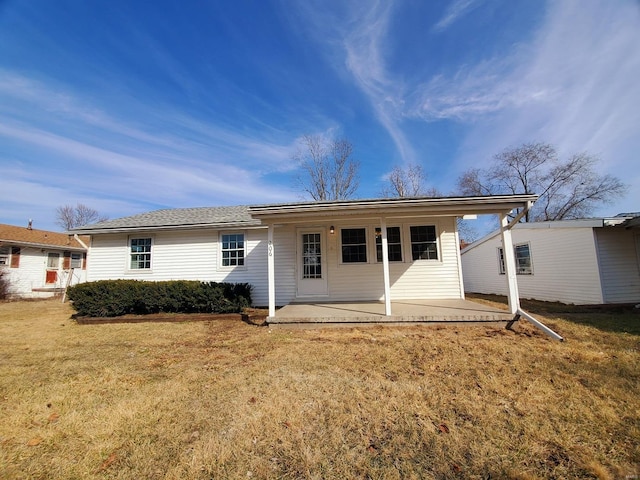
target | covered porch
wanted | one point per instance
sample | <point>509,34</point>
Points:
<point>404,311</point>
<point>328,270</point>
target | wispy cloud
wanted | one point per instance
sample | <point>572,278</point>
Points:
<point>574,85</point>
<point>174,160</point>
<point>357,36</point>
<point>454,11</point>
<point>365,60</point>
<point>474,91</point>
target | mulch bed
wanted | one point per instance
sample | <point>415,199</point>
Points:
<point>251,318</point>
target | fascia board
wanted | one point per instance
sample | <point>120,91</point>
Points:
<point>143,229</point>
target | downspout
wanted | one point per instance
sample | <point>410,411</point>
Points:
<point>511,274</point>
<point>77,237</point>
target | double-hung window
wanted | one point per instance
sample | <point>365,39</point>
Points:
<point>233,252</point>
<point>4,256</point>
<point>522,254</point>
<point>394,244</point>
<point>354,245</point>
<point>424,242</point>
<point>140,254</point>
<point>76,260</point>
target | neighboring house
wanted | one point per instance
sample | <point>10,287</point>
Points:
<point>589,261</point>
<point>39,263</point>
<point>301,252</point>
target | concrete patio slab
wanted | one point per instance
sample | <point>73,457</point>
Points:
<point>403,311</point>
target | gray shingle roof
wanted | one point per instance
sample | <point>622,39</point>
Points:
<point>176,218</point>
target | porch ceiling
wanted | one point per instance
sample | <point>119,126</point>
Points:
<point>404,311</point>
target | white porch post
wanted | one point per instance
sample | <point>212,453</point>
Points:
<point>509,264</point>
<point>385,267</point>
<point>271,272</point>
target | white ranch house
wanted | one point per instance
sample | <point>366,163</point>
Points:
<point>40,263</point>
<point>587,261</point>
<point>378,250</point>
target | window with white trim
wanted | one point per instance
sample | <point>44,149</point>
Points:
<point>394,244</point>
<point>233,250</point>
<point>354,245</point>
<point>424,242</point>
<point>140,253</point>
<point>522,252</point>
<point>76,260</point>
<point>4,256</point>
<point>53,261</point>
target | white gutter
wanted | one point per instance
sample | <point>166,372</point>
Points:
<point>152,228</point>
<point>451,205</point>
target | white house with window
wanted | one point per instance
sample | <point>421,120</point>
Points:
<point>587,261</point>
<point>306,252</point>
<point>40,263</point>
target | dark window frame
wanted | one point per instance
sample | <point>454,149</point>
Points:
<point>394,244</point>
<point>354,245</point>
<point>424,242</point>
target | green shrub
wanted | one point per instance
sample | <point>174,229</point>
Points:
<point>112,298</point>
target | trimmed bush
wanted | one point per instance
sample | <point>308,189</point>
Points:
<point>112,298</point>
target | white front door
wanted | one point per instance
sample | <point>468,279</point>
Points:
<point>312,272</point>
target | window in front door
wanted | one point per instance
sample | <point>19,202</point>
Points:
<point>311,256</point>
<point>53,260</point>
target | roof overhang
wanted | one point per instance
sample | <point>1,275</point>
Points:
<point>626,222</point>
<point>394,207</point>
<point>172,227</point>
<point>17,243</point>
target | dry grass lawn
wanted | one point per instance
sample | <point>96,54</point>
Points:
<point>224,399</point>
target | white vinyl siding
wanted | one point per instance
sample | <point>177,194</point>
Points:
<point>285,251</point>
<point>618,265</point>
<point>183,255</point>
<point>564,264</point>
<point>194,255</point>
<point>409,279</point>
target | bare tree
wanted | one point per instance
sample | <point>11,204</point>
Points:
<point>68,216</point>
<point>466,232</point>
<point>329,170</point>
<point>405,182</point>
<point>410,182</point>
<point>569,189</point>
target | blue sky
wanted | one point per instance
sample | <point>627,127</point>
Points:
<point>130,106</point>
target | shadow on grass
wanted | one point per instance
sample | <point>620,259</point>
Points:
<point>611,318</point>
